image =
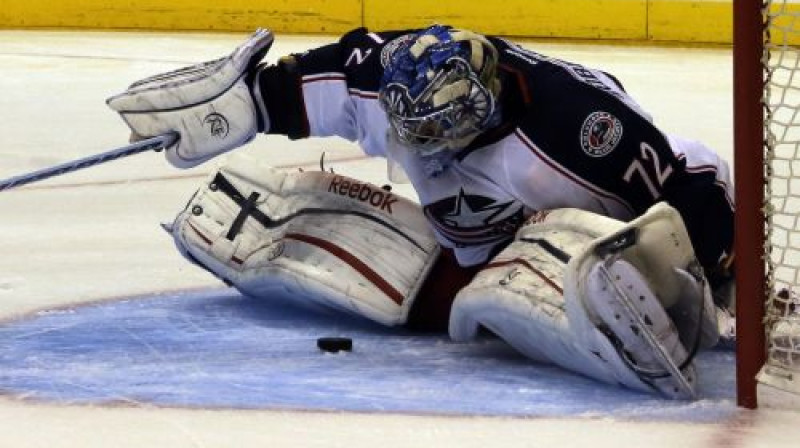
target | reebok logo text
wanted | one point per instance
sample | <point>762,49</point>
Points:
<point>375,196</point>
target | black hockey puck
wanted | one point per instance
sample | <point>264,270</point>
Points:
<point>333,344</point>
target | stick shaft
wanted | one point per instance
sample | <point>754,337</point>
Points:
<point>154,143</point>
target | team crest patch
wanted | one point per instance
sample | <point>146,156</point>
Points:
<point>474,220</point>
<point>600,133</point>
<point>390,48</point>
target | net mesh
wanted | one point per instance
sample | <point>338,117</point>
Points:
<point>781,62</point>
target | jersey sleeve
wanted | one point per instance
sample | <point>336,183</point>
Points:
<point>331,90</point>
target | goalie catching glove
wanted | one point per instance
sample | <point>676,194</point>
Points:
<point>208,105</point>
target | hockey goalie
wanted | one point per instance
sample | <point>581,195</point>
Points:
<point>552,212</point>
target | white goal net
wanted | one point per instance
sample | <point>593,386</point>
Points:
<point>781,102</point>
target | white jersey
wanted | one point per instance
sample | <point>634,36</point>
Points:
<point>570,137</point>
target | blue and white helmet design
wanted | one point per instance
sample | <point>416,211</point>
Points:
<point>439,89</point>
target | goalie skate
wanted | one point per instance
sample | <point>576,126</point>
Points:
<point>636,323</point>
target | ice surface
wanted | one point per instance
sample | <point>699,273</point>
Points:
<point>109,338</point>
<point>219,349</point>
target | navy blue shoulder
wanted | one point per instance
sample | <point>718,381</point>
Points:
<point>360,55</point>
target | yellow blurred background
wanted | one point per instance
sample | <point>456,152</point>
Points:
<point>682,21</point>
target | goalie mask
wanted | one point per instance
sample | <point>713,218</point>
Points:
<point>439,89</point>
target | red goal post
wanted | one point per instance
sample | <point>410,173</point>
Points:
<point>767,182</point>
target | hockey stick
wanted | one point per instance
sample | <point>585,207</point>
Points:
<point>155,143</point>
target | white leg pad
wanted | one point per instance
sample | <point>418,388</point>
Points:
<point>519,297</point>
<point>548,295</point>
<point>317,237</point>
